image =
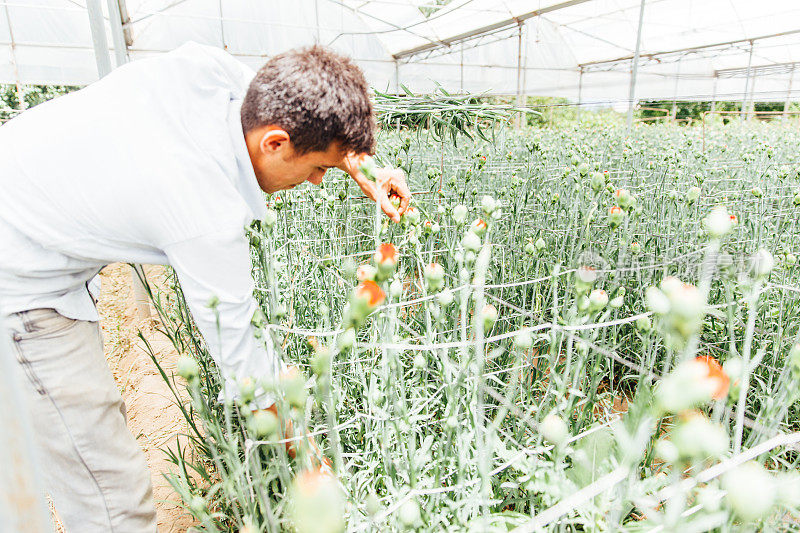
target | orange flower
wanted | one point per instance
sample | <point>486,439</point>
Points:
<point>411,215</point>
<point>317,502</point>
<point>615,210</point>
<point>734,220</point>
<point>309,482</point>
<point>715,374</point>
<point>386,254</point>
<point>369,292</point>
<point>479,227</point>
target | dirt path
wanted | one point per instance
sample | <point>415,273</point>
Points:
<point>152,417</point>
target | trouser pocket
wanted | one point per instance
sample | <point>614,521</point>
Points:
<point>27,367</point>
<point>31,331</point>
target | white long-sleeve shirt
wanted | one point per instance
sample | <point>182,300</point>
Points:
<point>148,165</point>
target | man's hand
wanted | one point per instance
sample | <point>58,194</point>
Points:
<point>315,457</point>
<point>389,182</point>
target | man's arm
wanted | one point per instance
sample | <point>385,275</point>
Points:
<point>389,182</point>
<point>218,265</point>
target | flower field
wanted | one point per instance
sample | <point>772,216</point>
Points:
<point>572,330</point>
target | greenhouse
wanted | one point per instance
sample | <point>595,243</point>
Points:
<point>543,277</point>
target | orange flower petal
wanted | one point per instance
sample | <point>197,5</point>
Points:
<point>386,253</point>
<point>369,289</point>
<point>717,375</point>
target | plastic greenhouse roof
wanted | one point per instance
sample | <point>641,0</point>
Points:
<point>573,48</point>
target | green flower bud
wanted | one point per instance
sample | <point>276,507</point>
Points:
<point>488,316</point>
<point>247,390</point>
<point>434,276</point>
<point>396,289</point>
<point>263,424</point>
<point>488,204</point>
<point>471,242</point>
<point>270,218</point>
<point>750,490</point>
<point>346,339</point>
<point>523,339</point>
<point>293,385</point>
<point>445,298</point>
<point>554,429</point>
<point>409,514</point>
<point>478,227</point>
<point>198,505</point>
<point>321,361</point>
<point>187,367</point>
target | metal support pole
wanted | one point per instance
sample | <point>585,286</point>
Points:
<point>788,96</point>
<point>126,19</point>
<point>743,112</point>
<point>222,27</point>
<point>520,101</point>
<point>751,107</point>
<point>635,68</point>
<point>117,33</point>
<point>714,94</point>
<point>396,76</point>
<point>674,111</point>
<point>22,503</point>
<point>580,92</point>
<point>20,93</point>
<point>461,67</point>
<point>97,26</point>
<point>316,19</point>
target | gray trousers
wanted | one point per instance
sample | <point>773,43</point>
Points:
<point>93,468</point>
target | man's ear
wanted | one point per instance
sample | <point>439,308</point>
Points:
<point>274,140</point>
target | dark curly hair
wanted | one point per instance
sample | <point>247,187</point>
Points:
<point>317,96</point>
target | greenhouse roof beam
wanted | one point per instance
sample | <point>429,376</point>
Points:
<point>482,30</point>
<point>475,42</point>
<point>758,70</point>
<point>611,64</point>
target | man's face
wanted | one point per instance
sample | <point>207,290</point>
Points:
<point>279,167</point>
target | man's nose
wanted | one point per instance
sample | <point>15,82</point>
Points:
<point>316,177</point>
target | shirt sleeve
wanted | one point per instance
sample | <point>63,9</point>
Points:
<point>218,265</point>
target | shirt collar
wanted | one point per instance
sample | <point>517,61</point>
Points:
<point>245,182</point>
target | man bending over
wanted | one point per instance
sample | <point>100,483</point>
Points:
<point>161,162</point>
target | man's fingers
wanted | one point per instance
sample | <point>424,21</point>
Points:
<point>401,188</point>
<point>379,191</point>
<point>379,195</point>
<point>388,208</point>
<point>386,182</point>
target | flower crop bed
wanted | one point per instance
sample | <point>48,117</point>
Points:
<point>572,330</point>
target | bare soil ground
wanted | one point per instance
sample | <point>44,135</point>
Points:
<point>153,417</point>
